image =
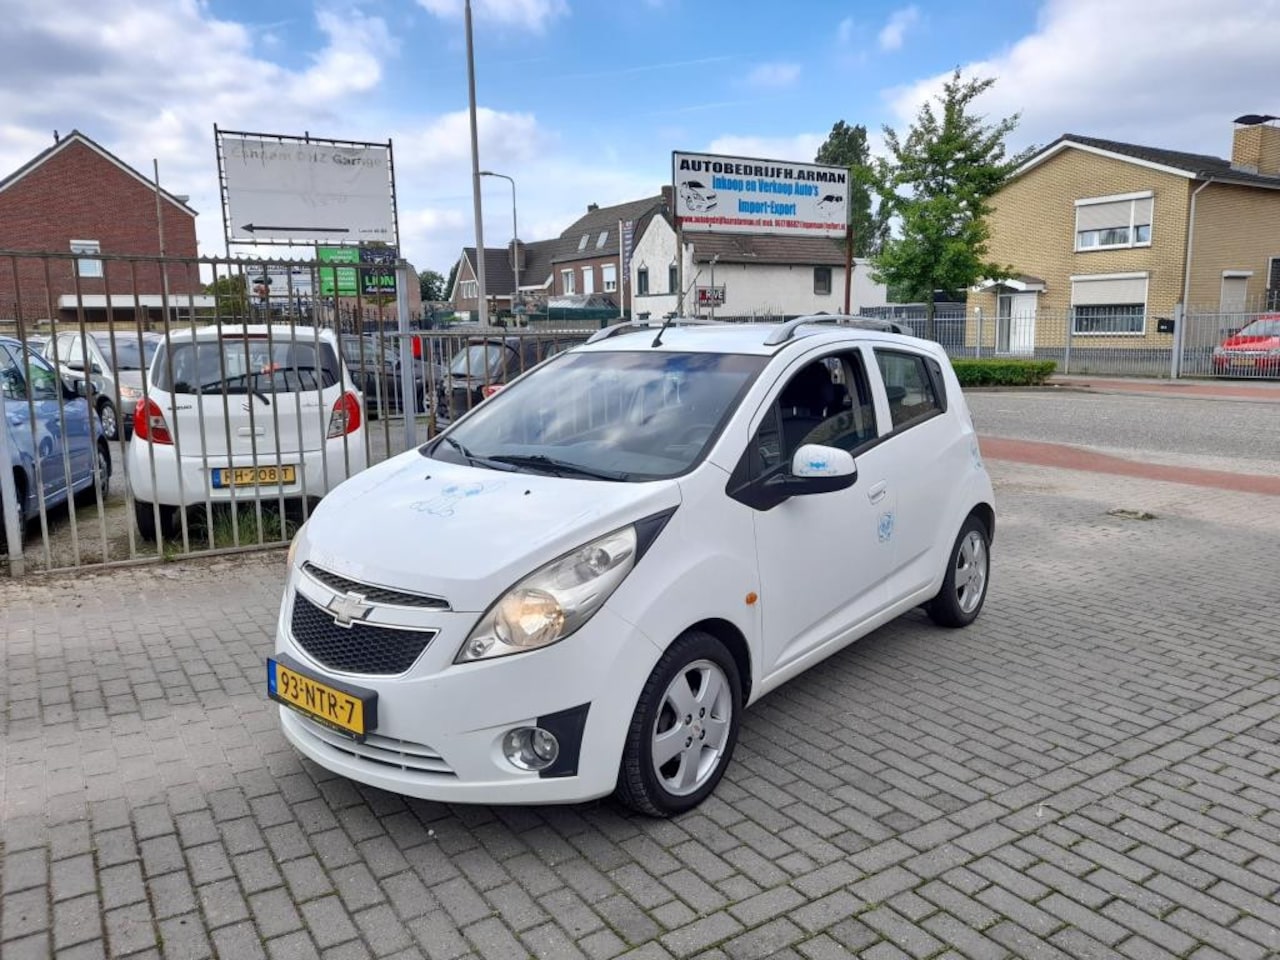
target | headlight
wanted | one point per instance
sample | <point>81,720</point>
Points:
<point>553,602</point>
<point>130,393</point>
<point>293,547</point>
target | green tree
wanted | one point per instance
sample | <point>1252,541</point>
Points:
<point>453,275</point>
<point>431,283</point>
<point>846,146</point>
<point>229,295</point>
<point>937,184</point>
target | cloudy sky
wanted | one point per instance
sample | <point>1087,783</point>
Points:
<point>582,101</point>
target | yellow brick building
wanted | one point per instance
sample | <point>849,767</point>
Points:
<point>1108,238</point>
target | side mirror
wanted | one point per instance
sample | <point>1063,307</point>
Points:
<point>813,469</point>
<point>80,387</point>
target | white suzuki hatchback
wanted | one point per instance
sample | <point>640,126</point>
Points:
<point>578,587</point>
<point>240,414</point>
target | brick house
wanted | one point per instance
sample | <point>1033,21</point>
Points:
<point>78,198</point>
<point>586,257</point>
<point>499,276</point>
<point>1109,236</point>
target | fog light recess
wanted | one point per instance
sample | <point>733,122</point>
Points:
<point>530,748</point>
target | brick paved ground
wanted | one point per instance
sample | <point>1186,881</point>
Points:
<point>1093,770</point>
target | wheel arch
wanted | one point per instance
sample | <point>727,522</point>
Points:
<point>987,514</point>
<point>736,643</point>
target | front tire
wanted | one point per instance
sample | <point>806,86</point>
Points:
<point>964,588</point>
<point>144,515</point>
<point>684,728</point>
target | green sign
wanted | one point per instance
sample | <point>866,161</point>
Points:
<point>345,279</point>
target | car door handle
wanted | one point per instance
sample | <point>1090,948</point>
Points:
<point>877,492</point>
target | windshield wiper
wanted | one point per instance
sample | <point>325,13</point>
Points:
<point>474,460</point>
<point>542,462</point>
<point>249,386</point>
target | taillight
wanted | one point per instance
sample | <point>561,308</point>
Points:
<point>345,417</point>
<point>149,425</point>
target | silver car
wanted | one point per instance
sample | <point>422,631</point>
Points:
<point>117,362</point>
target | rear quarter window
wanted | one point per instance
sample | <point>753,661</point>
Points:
<point>913,392</point>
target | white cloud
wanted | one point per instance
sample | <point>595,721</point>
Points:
<point>774,75</point>
<point>531,14</point>
<point>1149,73</point>
<point>800,148</point>
<point>900,21</point>
<point>844,32</point>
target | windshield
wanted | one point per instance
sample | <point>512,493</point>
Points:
<point>478,359</point>
<point>129,353</point>
<point>1268,327</point>
<point>246,365</point>
<point>352,350</point>
<point>616,415</point>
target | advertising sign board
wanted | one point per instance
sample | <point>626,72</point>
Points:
<point>715,194</point>
<point>280,189</point>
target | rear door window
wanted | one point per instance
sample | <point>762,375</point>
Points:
<point>247,365</point>
<point>909,387</point>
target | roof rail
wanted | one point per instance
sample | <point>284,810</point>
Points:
<point>787,330</point>
<point>627,326</point>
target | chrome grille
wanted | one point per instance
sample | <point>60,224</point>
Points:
<point>384,595</point>
<point>360,648</point>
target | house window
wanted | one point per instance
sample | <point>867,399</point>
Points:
<point>566,282</point>
<point>470,289</point>
<point>582,244</point>
<point>610,277</point>
<point>1108,223</point>
<point>642,282</point>
<point>1235,291</point>
<point>1109,305</point>
<point>673,279</point>
<point>588,279</point>
<point>604,235</point>
<point>822,281</point>
<point>1273,284</point>
<point>87,267</point>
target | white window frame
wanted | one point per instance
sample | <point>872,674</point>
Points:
<point>1142,275</point>
<point>600,241</point>
<point>642,282</point>
<point>582,244</point>
<point>1133,206</point>
<point>567,282</point>
<point>88,268</point>
<point>609,278</point>
<point>588,280</point>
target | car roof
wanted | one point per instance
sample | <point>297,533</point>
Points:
<point>743,338</point>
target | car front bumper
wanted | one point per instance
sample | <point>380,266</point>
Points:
<point>440,725</point>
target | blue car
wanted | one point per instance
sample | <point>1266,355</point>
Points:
<point>48,424</point>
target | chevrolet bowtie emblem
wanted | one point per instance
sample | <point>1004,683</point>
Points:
<point>348,608</point>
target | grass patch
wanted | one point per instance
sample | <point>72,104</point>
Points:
<point>1003,373</point>
<point>231,529</point>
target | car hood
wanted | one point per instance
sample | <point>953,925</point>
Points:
<point>1239,342</point>
<point>465,533</point>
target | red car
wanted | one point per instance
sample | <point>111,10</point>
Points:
<point>1252,351</point>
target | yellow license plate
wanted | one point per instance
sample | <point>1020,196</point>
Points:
<point>338,706</point>
<point>254,476</point>
<point>1243,362</point>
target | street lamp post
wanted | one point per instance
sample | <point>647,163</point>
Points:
<point>515,239</point>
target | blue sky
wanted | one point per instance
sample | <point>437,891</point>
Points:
<point>583,100</point>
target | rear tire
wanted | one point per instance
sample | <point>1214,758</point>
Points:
<point>88,494</point>
<point>691,705</point>
<point>964,588</point>
<point>144,515</point>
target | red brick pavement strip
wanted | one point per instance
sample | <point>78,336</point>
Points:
<point>1074,458</point>
<point>1261,392</point>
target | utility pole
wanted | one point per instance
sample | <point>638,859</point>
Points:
<point>482,292</point>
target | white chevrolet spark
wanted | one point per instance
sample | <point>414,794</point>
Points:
<point>578,587</point>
